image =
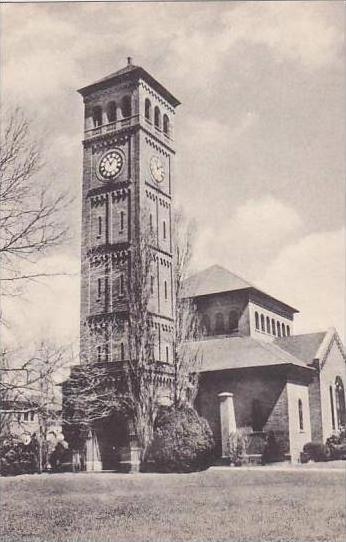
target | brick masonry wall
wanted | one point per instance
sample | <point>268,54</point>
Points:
<point>268,387</point>
<point>334,366</point>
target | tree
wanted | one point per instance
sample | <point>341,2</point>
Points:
<point>187,358</point>
<point>31,209</point>
<point>31,388</point>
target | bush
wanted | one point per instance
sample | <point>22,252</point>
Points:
<point>273,450</point>
<point>336,444</point>
<point>183,442</point>
<point>317,451</point>
<point>237,444</point>
<point>16,457</point>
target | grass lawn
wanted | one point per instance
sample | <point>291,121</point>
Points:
<point>216,505</point>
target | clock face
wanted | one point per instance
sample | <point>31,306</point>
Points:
<point>157,169</point>
<point>110,164</point>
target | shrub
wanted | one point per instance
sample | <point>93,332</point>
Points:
<point>273,450</point>
<point>317,451</point>
<point>16,457</point>
<point>183,442</point>
<point>336,444</point>
<point>237,444</point>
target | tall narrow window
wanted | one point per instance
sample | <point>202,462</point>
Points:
<point>166,290</point>
<point>157,117</point>
<point>152,284</point>
<point>288,331</point>
<point>122,352</point>
<point>99,288</point>
<point>165,125</point>
<point>273,327</point>
<point>32,416</point>
<point>126,107</point>
<point>256,320</point>
<point>340,402</point>
<point>97,116</point>
<point>268,324</point>
<point>283,330</point>
<point>106,352</point>
<point>219,324</point>
<point>111,112</point>
<point>99,227</point>
<point>121,285</point>
<point>278,328</point>
<point>167,354</point>
<point>300,413</point>
<point>233,321</point>
<point>164,229</point>
<point>205,324</point>
<point>26,416</point>
<point>147,109</point>
<point>151,222</point>
<point>262,323</point>
<point>332,405</point>
<point>121,220</point>
<point>99,353</point>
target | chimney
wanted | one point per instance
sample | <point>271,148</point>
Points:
<point>129,60</point>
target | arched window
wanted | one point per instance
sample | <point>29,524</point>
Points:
<point>262,323</point>
<point>157,117</point>
<point>99,226</point>
<point>205,324</point>
<point>165,125</point>
<point>97,116</point>
<point>111,112</point>
<point>332,405</point>
<point>340,401</point>
<point>233,321</point>
<point>219,324</point>
<point>268,324</point>
<point>288,331</point>
<point>126,106</point>
<point>300,414</point>
<point>273,327</point>
<point>256,320</point>
<point>122,352</point>
<point>278,328</point>
<point>147,108</point>
<point>121,285</point>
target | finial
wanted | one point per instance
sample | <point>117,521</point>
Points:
<point>129,60</point>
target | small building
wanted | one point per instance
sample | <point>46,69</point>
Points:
<point>256,374</point>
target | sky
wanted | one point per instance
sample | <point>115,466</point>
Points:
<point>260,137</point>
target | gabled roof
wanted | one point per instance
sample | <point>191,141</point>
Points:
<point>241,352</point>
<point>133,72</point>
<point>304,346</point>
<point>311,346</point>
<point>217,279</point>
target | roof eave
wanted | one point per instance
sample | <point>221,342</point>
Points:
<point>136,74</point>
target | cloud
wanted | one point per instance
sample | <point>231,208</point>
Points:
<point>310,275</point>
<point>246,240</point>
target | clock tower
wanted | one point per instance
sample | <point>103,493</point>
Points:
<point>128,153</point>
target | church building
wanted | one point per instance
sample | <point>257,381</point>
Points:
<point>256,373</point>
